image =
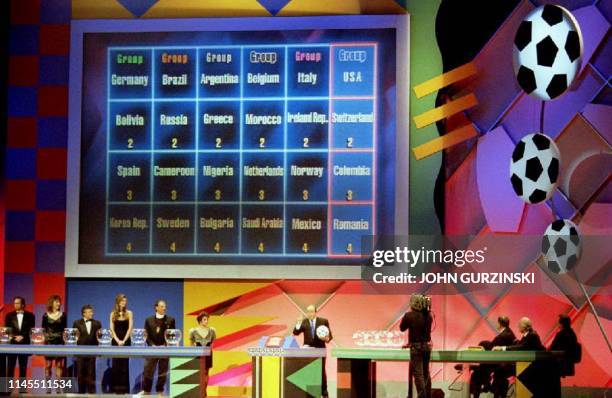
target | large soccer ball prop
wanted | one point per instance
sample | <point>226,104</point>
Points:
<point>547,52</point>
<point>561,246</point>
<point>534,169</point>
<point>322,332</point>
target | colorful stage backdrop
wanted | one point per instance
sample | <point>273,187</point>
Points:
<point>243,311</point>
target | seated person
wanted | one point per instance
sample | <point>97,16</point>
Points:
<point>481,376</point>
<point>535,377</point>
<point>565,340</point>
<point>530,340</point>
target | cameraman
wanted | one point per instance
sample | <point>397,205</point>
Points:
<point>418,323</point>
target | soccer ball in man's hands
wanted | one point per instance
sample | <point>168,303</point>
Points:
<point>547,51</point>
<point>534,168</point>
<point>322,332</point>
<point>561,246</point>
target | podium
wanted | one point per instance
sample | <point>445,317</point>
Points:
<point>282,369</point>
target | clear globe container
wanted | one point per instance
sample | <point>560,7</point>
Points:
<point>5,335</point>
<point>173,337</point>
<point>139,337</point>
<point>71,336</point>
<point>105,337</point>
<point>398,338</point>
<point>37,336</point>
<point>379,336</point>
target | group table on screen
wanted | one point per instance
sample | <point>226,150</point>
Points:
<point>241,149</point>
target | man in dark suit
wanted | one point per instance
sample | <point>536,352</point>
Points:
<point>480,379</point>
<point>565,340</point>
<point>308,326</point>
<point>21,323</point>
<point>86,366</point>
<point>530,341</point>
<point>535,377</point>
<point>156,325</point>
<point>501,373</point>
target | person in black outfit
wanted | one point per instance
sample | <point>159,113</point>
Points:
<point>535,377</point>
<point>121,324</point>
<point>21,323</point>
<point>565,340</point>
<point>156,326</point>
<point>418,322</point>
<point>86,366</point>
<point>530,341</point>
<point>308,326</point>
<point>501,373</point>
<point>54,323</point>
<point>480,380</point>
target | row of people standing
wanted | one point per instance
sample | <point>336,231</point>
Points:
<point>121,322</point>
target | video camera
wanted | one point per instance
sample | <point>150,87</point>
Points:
<point>420,302</point>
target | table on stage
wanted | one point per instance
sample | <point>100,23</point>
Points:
<point>357,366</point>
<point>184,366</point>
<point>287,372</point>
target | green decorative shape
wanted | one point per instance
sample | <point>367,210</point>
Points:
<point>176,362</point>
<point>189,364</point>
<point>423,173</point>
<point>184,390</point>
<point>178,375</point>
<point>308,379</point>
<point>184,378</point>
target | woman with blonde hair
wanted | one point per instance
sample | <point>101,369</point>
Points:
<point>54,322</point>
<point>121,325</point>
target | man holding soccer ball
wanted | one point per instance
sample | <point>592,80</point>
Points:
<point>316,334</point>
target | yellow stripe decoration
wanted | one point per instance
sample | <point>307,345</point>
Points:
<point>309,7</point>
<point>446,141</point>
<point>270,377</point>
<point>87,9</point>
<point>444,80</point>
<point>206,8</point>
<point>446,110</point>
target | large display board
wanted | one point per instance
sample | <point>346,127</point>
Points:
<point>219,147</point>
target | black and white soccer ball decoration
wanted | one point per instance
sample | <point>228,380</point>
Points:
<point>561,246</point>
<point>547,51</point>
<point>534,168</point>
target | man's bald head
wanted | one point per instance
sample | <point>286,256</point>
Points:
<point>311,311</point>
<point>524,324</point>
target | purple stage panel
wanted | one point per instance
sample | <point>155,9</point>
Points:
<point>594,27</point>
<point>495,85</point>
<point>600,117</point>
<point>606,9</point>
<point>561,205</point>
<point>583,169</point>
<point>569,4</point>
<point>502,208</point>
<point>524,116</point>
<point>588,177</point>
<point>462,187</point>
<point>602,59</point>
